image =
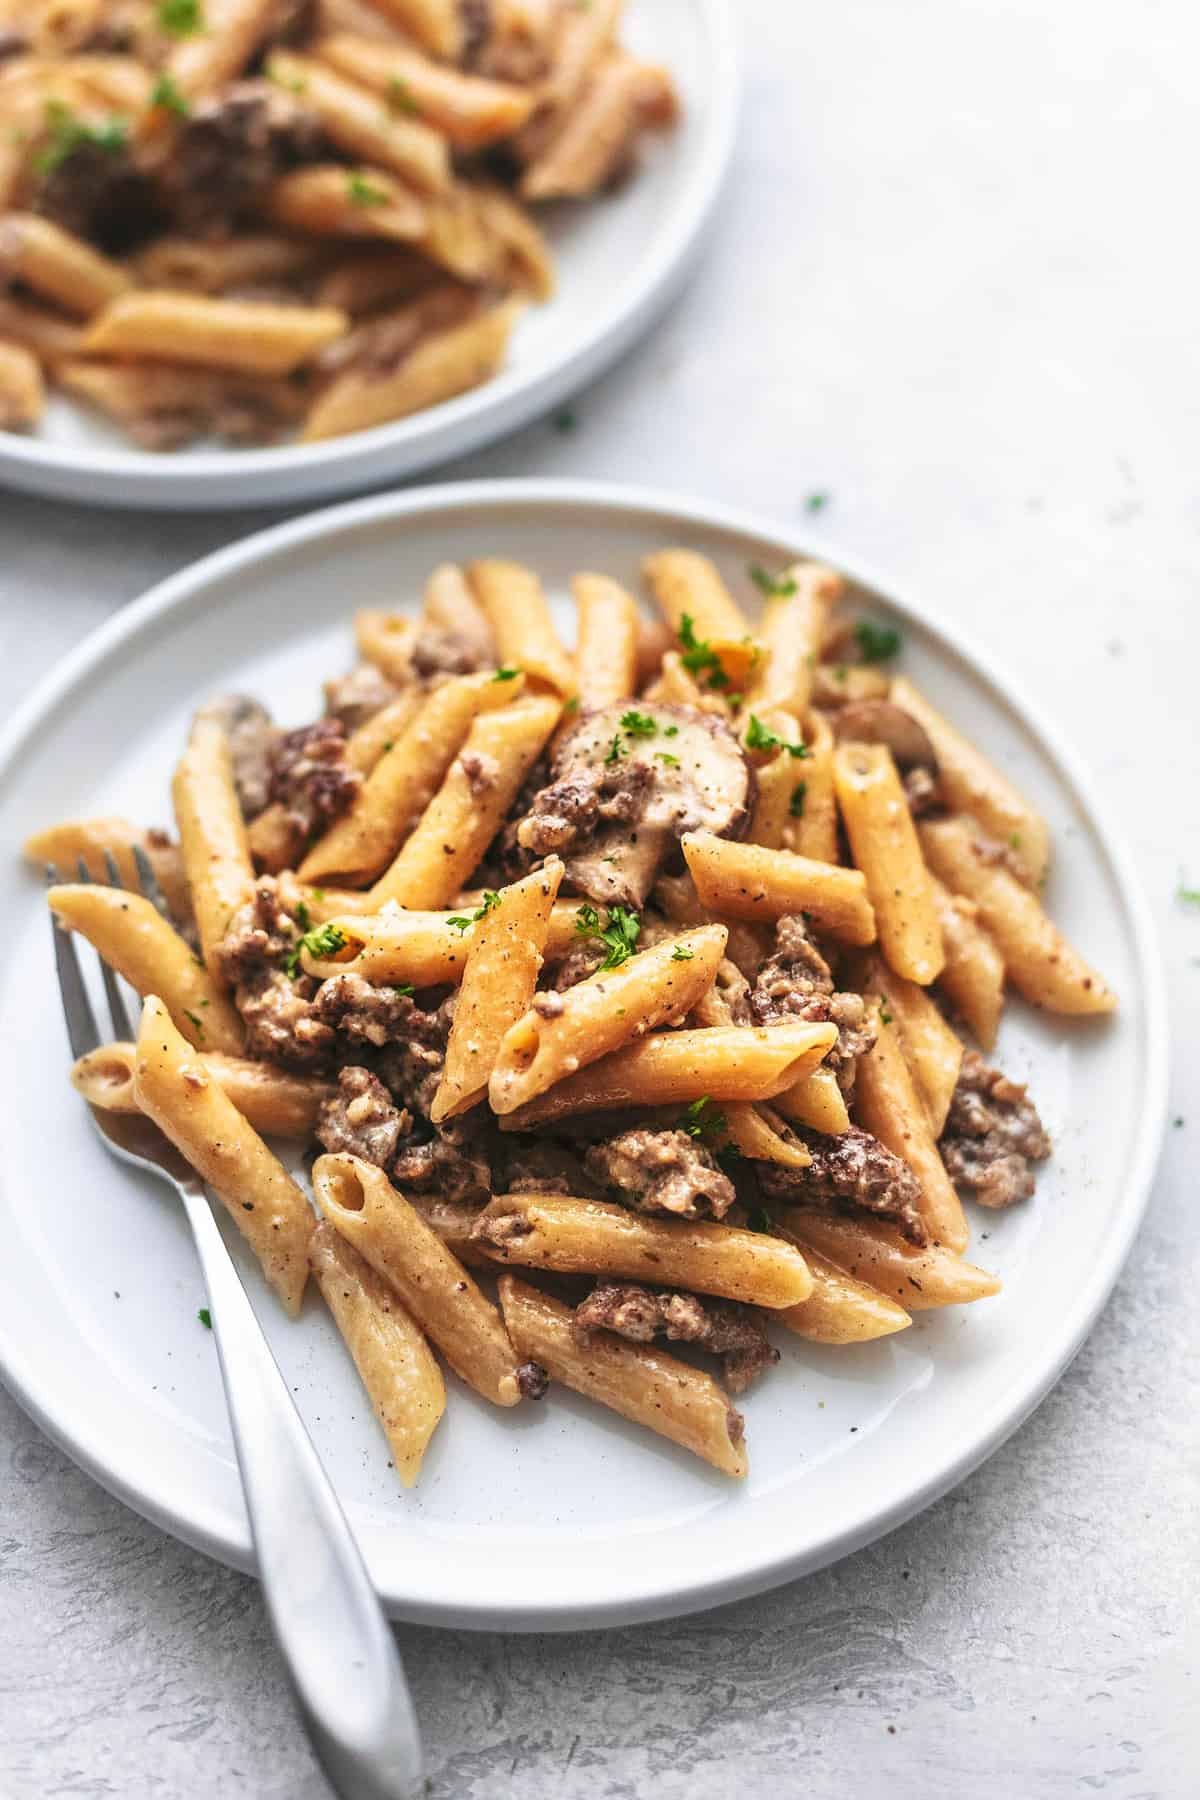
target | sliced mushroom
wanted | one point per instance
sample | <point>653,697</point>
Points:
<point>628,782</point>
<point>883,722</point>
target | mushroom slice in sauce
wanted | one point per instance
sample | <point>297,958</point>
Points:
<point>883,722</point>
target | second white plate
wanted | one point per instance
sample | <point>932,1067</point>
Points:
<point>559,1515</point>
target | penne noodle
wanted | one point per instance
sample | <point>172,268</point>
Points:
<point>816,1101</point>
<point>600,1014</point>
<point>595,137</point>
<point>449,606</point>
<point>133,938</point>
<point>837,684</point>
<point>874,1252</point>
<point>887,1104</point>
<point>606,652</point>
<point>22,391</point>
<point>581,36</point>
<point>276,1102</point>
<point>387,640</point>
<point>520,247</point>
<point>422,948</point>
<point>162,404</point>
<point>442,365</point>
<point>884,844</point>
<point>50,338</point>
<point>361,1204</point>
<point>203,266</point>
<point>469,110</point>
<point>676,686</point>
<point>686,585</point>
<point>931,1049</point>
<point>394,1362</point>
<point>746,881</point>
<point>246,335</point>
<point>592,1237</point>
<point>57,27</point>
<point>203,61</point>
<point>792,628</point>
<point>403,782</point>
<point>812,827</point>
<point>173,1088</point>
<point>369,279</point>
<point>55,265</point>
<point>776,781</point>
<point>515,607</point>
<point>436,25</point>
<point>448,843</point>
<point>1038,960</point>
<point>91,841</point>
<point>212,835</point>
<point>737,1062</point>
<point>499,978</point>
<point>973,978</point>
<point>969,783</point>
<point>353,118</point>
<point>328,200</point>
<point>763,1135</point>
<point>676,896</point>
<point>639,1381</point>
<point>841,1309</point>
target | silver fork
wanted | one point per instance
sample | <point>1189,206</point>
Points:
<point>336,1644</point>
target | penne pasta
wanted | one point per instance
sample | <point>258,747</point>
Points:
<point>792,627</point>
<point>696,603</point>
<point>251,336</point>
<point>516,609</point>
<point>746,881</point>
<point>202,61</point>
<point>361,1204</point>
<point>92,841</point>
<point>448,606</point>
<point>888,1105</point>
<point>591,1237</point>
<point>871,1251</point>
<point>387,640</point>
<point>469,110</point>
<point>884,843</point>
<point>841,1309</point>
<point>606,652</point>
<point>203,266</point>
<point>1038,960</point>
<point>394,1362</point>
<point>436,25</point>
<point>45,335</point>
<point>133,937</point>
<point>276,1102</point>
<point>812,827</point>
<point>22,391</point>
<point>764,1135</point>
<point>173,1088</point>
<point>57,266</point>
<point>594,138</point>
<point>212,836</point>
<point>353,118</point>
<point>973,978</point>
<point>639,1381</point>
<point>817,1101</point>
<point>931,1049</point>
<point>499,978</point>
<point>424,949</point>
<point>777,780</point>
<point>327,200</point>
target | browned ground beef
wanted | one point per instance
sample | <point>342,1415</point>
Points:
<point>436,652</point>
<point>278,1015</point>
<point>661,1172</point>
<point>571,809</point>
<point>258,934</point>
<point>531,1165</point>
<point>921,791</point>
<point>361,1119</point>
<point>734,1333</point>
<point>362,1013</point>
<point>992,1135</point>
<point>532,1380</point>
<point>310,777</point>
<point>853,1172</point>
<point>795,982</point>
<point>102,195</point>
<point>252,739</point>
<point>582,959</point>
<point>412,1063</point>
<point>232,148</point>
<point>358,696</point>
<point>452,1163</point>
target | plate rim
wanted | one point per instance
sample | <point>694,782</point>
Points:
<point>123,478</point>
<point>187,586</point>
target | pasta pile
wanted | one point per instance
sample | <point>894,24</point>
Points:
<point>638,978</point>
<point>254,219</point>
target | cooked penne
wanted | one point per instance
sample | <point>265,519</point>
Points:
<point>162,404</point>
<point>837,684</point>
<point>57,27</point>
<point>973,978</point>
<point>173,1088</point>
<point>931,1049</point>
<point>134,938</point>
<point>516,610</point>
<point>212,267</point>
<point>212,835</point>
<point>248,335</point>
<point>777,780</point>
<point>597,1016</point>
<point>675,686</point>
<point>749,882</point>
<point>202,61</point>
<point>364,840</point>
<point>739,1062</point>
<point>812,828</point>
<point>969,783</point>
<point>276,1102</point>
<point>888,1105</point>
<point>386,639</point>
<point>639,1381</point>
<point>816,1101</point>
<point>676,896</point>
<point>841,1309</point>
<point>1038,960</point>
<point>362,1205</point>
<point>424,949</point>
<point>46,335</point>
<point>590,1237</point>
<point>874,1252</point>
<point>594,139</point>
<point>792,628</point>
<point>91,841</point>
<point>464,815</point>
<point>503,962</point>
<point>352,118</point>
<point>57,266</point>
<point>395,1364</point>
<point>448,606</point>
<point>763,1135</point>
<point>328,200</point>
<point>363,281</point>
<point>699,608</point>
<point>606,653</point>
<point>885,847</point>
<point>437,25</point>
<point>22,391</point>
<point>469,110</point>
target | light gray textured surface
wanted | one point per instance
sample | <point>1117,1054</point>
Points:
<point>954,285</point>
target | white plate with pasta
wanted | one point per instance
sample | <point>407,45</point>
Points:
<point>642,1003</point>
<point>316,250</point>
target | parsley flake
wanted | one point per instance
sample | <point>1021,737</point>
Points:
<point>205,1318</point>
<point>639,725</point>
<point>681,953</point>
<point>816,502</point>
<point>877,643</point>
<point>1187,896</point>
<point>167,94</point>
<point>758,1219</point>
<point>671,731</point>
<point>796,803</point>
<point>362,192</point>
<point>619,935</point>
<point>322,940</point>
<point>700,1120</point>
<point>462,925</point>
<point>180,18</point>
<point>664,756</point>
<point>758,737</point>
<point>67,134</point>
<point>616,750</point>
<point>776,587</point>
<point>400,98</point>
<point>403,988</point>
<point>565,420</point>
<point>885,1017</point>
<point>197,1022</point>
<point>509,672</point>
<point>698,654</point>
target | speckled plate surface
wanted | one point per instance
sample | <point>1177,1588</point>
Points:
<point>560,1515</point>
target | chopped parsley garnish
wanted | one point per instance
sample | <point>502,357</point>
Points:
<point>400,98</point>
<point>295,84</point>
<point>816,502</point>
<point>180,18</point>
<point>303,916</point>
<point>877,642</point>
<point>572,705</point>
<point>461,924</point>
<point>664,756</point>
<point>616,750</point>
<point>317,893</point>
<point>758,737</point>
<point>403,988</point>
<point>565,420</point>
<point>68,134</point>
<point>777,587</point>
<point>361,192</point>
<point>796,803</point>
<point>619,935</point>
<point>758,1219</point>
<point>885,1017</point>
<point>322,940</point>
<point>1014,840</point>
<point>671,731</point>
<point>639,725</point>
<point>1187,896</point>
<point>205,1318</point>
<point>166,93</point>
<point>700,1120</point>
<point>509,672</point>
<point>681,953</point>
<point>197,1022</point>
<point>698,654</point>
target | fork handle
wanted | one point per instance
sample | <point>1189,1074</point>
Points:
<point>338,1648</point>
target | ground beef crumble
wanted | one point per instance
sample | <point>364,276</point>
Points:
<point>310,777</point>
<point>532,1165</point>
<point>571,809</point>
<point>661,1172</point>
<point>795,982</point>
<point>277,1009</point>
<point>992,1135</point>
<point>361,1119</point>
<point>358,696</point>
<point>852,1172</point>
<point>734,1333</point>
<point>234,146</point>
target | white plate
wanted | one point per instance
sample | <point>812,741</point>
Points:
<point>560,1515</point>
<point>619,260</point>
